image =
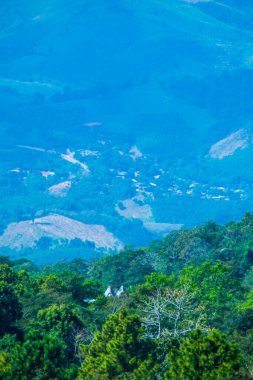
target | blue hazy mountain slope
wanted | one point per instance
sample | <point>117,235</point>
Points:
<point>153,96</point>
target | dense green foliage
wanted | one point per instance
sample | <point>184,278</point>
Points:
<point>186,311</point>
<point>209,357</point>
<point>116,350</point>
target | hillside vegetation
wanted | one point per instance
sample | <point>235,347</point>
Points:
<point>180,308</point>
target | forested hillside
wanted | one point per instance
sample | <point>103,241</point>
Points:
<point>180,308</point>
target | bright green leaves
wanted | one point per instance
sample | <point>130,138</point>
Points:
<point>214,286</point>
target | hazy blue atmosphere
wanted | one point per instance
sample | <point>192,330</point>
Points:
<point>121,121</point>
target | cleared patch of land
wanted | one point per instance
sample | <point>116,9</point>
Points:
<point>60,190</point>
<point>27,233</point>
<point>132,208</point>
<point>227,146</point>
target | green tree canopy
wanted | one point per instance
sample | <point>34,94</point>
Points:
<point>42,356</point>
<point>10,307</point>
<point>201,357</point>
<point>116,350</point>
<point>61,321</point>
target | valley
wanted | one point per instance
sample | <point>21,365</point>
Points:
<point>135,117</point>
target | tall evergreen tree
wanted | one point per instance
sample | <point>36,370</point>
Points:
<point>115,351</point>
<point>201,357</point>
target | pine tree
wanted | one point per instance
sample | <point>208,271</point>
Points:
<point>201,357</point>
<point>116,351</point>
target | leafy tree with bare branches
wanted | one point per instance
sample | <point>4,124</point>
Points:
<point>171,313</point>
